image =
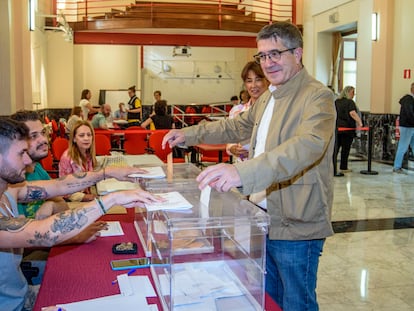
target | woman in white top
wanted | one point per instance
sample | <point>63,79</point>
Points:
<point>86,105</point>
<point>255,84</point>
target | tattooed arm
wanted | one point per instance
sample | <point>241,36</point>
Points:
<point>44,189</point>
<point>22,232</point>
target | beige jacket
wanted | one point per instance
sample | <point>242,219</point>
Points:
<point>296,168</point>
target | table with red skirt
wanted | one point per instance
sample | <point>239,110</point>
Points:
<point>81,272</point>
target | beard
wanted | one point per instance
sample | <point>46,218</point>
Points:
<point>11,175</point>
<point>38,155</point>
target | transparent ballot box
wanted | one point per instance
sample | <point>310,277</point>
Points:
<point>183,180</point>
<point>209,257</point>
<point>181,172</point>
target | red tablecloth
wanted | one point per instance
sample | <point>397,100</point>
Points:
<point>80,272</point>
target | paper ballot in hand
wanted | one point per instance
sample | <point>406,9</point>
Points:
<point>205,196</point>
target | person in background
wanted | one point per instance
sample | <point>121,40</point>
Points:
<point>75,116</point>
<point>79,157</point>
<point>134,108</point>
<point>157,96</point>
<point>121,113</point>
<point>255,84</point>
<point>289,171</point>
<point>406,130</point>
<point>159,118</point>
<point>85,104</point>
<point>20,232</point>
<point>103,119</point>
<point>346,116</point>
<point>244,97</point>
<point>234,100</point>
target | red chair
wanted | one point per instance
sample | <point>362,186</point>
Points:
<point>59,145</point>
<point>135,143</point>
<point>62,130</point>
<point>102,145</point>
<point>55,129</point>
<point>50,166</point>
<point>213,156</point>
<point>154,143</point>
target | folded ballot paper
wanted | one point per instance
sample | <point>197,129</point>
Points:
<point>152,172</point>
<point>173,201</point>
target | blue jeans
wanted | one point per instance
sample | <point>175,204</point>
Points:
<point>292,268</point>
<point>406,139</point>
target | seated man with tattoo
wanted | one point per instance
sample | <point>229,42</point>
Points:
<point>19,232</point>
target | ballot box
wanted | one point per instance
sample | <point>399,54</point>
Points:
<point>210,256</point>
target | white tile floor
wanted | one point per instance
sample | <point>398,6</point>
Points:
<point>369,270</point>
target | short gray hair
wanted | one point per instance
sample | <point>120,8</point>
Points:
<point>288,33</point>
<point>345,92</point>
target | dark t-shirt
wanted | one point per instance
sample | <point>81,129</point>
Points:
<point>162,122</point>
<point>343,107</point>
<point>407,111</point>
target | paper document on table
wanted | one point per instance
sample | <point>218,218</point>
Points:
<point>114,228</point>
<point>173,201</point>
<point>116,302</point>
<point>152,172</point>
<point>110,185</point>
<point>136,285</point>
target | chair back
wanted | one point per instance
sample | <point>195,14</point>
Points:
<point>59,145</point>
<point>102,145</point>
<point>135,143</point>
<point>155,141</point>
<point>48,164</point>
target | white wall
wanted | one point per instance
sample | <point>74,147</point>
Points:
<point>318,47</point>
<point>182,86</point>
<point>403,47</point>
<point>59,71</point>
<point>105,67</point>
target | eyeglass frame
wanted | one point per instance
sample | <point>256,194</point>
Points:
<point>259,60</point>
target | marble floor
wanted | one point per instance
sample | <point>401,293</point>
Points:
<point>369,264</point>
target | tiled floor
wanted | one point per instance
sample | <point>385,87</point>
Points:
<point>374,269</point>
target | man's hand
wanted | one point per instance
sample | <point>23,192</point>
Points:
<point>45,210</point>
<point>173,138</point>
<point>132,198</point>
<point>221,177</point>
<point>121,173</point>
<point>88,197</point>
<point>238,151</point>
<point>89,234</point>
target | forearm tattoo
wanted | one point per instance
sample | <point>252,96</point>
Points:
<point>71,220</point>
<point>35,193</point>
<point>44,239</point>
<point>13,224</point>
<point>80,175</point>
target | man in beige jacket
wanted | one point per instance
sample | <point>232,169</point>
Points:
<point>290,171</point>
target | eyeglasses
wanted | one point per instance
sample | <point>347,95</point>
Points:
<point>273,55</point>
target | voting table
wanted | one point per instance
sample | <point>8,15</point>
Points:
<point>219,245</point>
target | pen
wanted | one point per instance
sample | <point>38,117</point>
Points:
<point>129,273</point>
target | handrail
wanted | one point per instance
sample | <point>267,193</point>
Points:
<point>262,10</point>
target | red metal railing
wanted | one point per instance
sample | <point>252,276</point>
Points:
<point>263,10</point>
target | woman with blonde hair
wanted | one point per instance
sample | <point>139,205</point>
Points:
<point>80,156</point>
<point>346,117</point>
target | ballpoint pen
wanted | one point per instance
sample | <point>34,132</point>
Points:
<point>129,273</point>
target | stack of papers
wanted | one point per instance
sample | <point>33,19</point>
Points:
<point>134,290</point>
<point>113,229</point>
<point>152,172</point>
<point>111,185</point>
<point>173,201</point>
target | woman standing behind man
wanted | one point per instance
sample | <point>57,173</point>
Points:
<point>80,156</point>
<point>255,84</point>
<point>134,107</point>
<point>346,116</point>
<point>85,105</point>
